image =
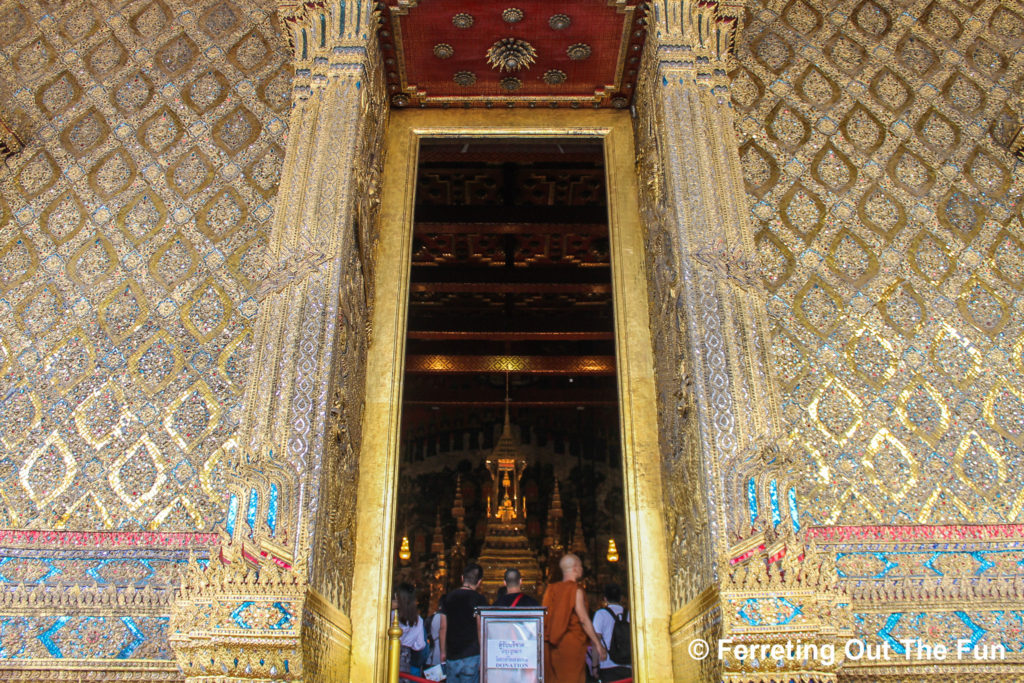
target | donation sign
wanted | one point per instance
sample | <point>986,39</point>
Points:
<point>511,654</point>
<point>513,645</point>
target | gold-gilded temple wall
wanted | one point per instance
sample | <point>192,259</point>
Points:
<point>874,138</point>
<point>875,149</point>
<point>132,241</point>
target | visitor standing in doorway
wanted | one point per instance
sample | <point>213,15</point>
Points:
<point>612,625</point>
<point>567,627</point>
<point>414,640</point>
<point>433,627</point>
<point>459,636</point>
<point>514,595</point>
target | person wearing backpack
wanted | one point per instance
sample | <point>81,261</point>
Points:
<point>612,625</point>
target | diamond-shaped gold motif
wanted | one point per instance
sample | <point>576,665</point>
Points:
<point>777,261</point>
<point>882,212</point>
<point>63,218</point>
<point>1007,257</point>
<point>123,311</point>
<point>57,469</point>
<point>929,256</point>
<point>161,131</point>
<point>984,480</point>
<point>903,308</point>
<point>38,174</point>
<point>156,373</point>
<point>85,133</point>
<point>818,307</point>
<point>871,357</point>
<point>101,417</point>
<point>802,211</point>
<point>955,356</point>
<point>222,215</point>
<point>1004,410</point>
<point>174,261</point>
<point>142,217</point>
<point>851,258</point>
<point>18,261</point>
<point>911,405</point>
<point>982,307</point>
<point>238,129</point>
<point>93,262</point>
<point>142,451</point>
<point>191,173</point>
<point>207,312</point>
<point>71,360</point>
<point>17,423</point>
<point>896,471</point>
<point>834,404</point>
<point>188,432</point>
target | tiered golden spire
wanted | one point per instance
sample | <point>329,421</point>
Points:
<point>579,544</point>
<point>505,544</point>
<point>553,532</point>
<point>458,551</point>
<point>439,581</point>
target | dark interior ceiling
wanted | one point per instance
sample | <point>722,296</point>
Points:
<point>510,277</point>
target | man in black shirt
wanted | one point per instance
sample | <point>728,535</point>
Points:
<point>460,639</point>
<point>515,597</point>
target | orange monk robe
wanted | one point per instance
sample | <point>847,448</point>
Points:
<point>566,652</point>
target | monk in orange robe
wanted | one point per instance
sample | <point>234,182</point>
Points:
<point>567,627</point>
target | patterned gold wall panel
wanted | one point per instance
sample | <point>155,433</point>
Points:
<point>874,139</point>
<point>131,245</point>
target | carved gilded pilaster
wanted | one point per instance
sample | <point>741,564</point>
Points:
<point>706,305</point>
<point>294,480</point>
<point>720,430</point>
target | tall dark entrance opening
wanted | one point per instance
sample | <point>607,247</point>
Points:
<point>510,440</point>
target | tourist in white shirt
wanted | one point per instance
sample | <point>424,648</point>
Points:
<point>604,623</point>
<point>414,638</point>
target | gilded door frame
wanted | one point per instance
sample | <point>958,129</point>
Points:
<point>378,458</point>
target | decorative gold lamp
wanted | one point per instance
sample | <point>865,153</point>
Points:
<point>613,551</point>
<point>404,554</point>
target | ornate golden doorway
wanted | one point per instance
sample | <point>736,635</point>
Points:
<point>375,531</point>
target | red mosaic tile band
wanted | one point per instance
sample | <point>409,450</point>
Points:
<point>930,532</point>
<point>105,539</point>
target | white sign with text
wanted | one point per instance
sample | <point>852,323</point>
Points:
<point>511,654</point>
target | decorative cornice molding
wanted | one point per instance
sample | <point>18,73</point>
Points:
<point>693,34</point>
<point>334,32</point>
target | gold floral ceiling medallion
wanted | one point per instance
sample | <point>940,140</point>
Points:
<point>464,78</point>
<point>512,15</point>
<point>463,20</point>
<point>578,51</point>
<point>443,51</point>
<point>511,54</point>
<point>559,21</point>
<point>554,77</point>
<point>511,83</point>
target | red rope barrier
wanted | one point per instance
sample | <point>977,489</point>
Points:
<point>415,679</point>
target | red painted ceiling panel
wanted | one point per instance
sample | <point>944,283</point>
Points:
<point>420,74</point>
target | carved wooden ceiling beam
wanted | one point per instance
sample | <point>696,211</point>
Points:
<point>451,228</point>
<point>517,364</point>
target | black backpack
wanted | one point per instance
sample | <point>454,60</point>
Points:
<point>620,649</point>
